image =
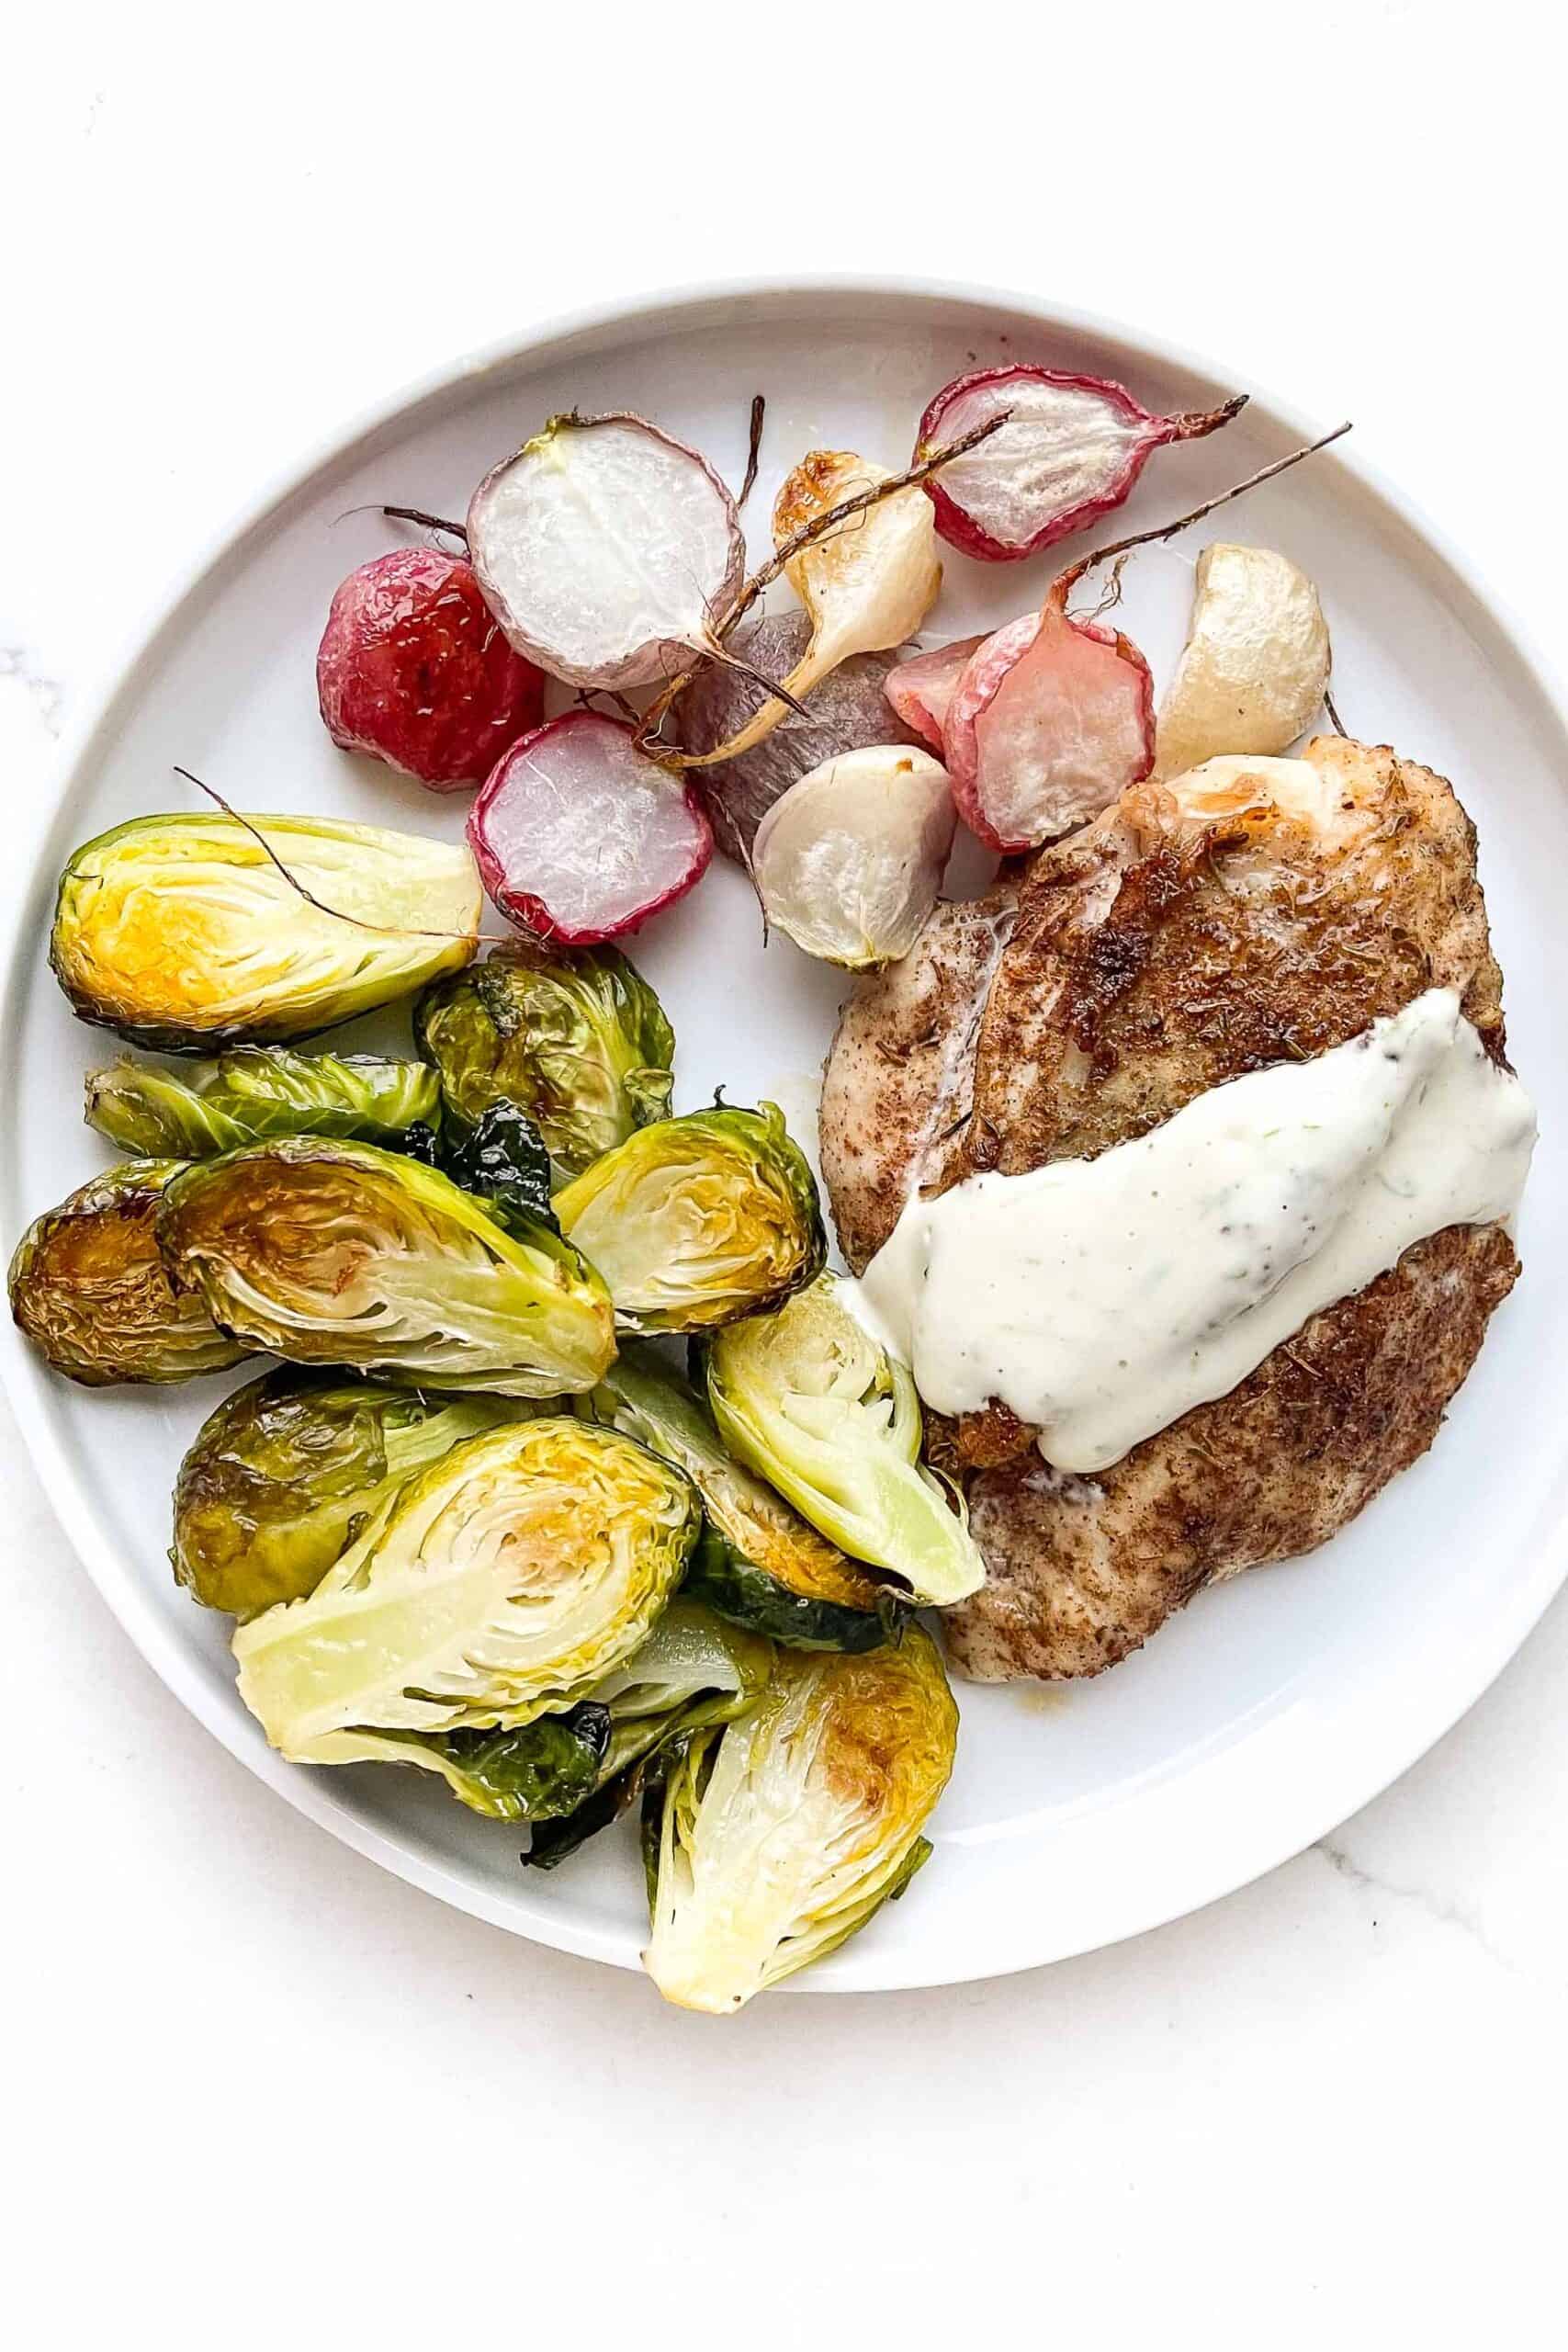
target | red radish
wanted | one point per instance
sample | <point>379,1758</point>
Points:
<point>1051,719</point>
<point>920,689</point>
<point>580,836</point>
<point>1071,449</point>
<point>607,550</point>
<point>414,669</point>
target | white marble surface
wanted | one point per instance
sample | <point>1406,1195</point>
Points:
<point>256,2087</point>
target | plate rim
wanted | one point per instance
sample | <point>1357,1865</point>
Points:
<point>30,1388</point>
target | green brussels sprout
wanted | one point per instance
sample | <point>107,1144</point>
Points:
<point>334,1252</point>
<point>757,1563</point>
<point>696,1220</point>
<point>182,932</point>
<point>810,1402</point>
<point>89,1290</point>
<point>284,1474</point>
<point>256,1091</point>
<point>693,1670</point>
<point>577,1038</point>
<point>497,1586</point>
<point>774,1837</point>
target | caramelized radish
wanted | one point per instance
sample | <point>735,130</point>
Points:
<point>414,669</point>
<point>606,551</point>
<point>922,688</point>
<point>866,584</point>
<point>1051,719</point>
<point>578,836</point>
<point>1071,449</point>
<point>1254,667</point>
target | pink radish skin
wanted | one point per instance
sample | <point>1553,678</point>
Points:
<point>1072,450</point>
<point>1052,719</point>
<point>580,837</point>
<point>922,688</point>
<point>414,669</point>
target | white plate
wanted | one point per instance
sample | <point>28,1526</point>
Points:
<point>1270,1709</point>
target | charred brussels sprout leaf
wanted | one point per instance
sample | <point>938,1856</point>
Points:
<point>503,1157</point>
<point>812,1404</point>
<point>696,1220</point>
<point>691,1670</point>
<point>545,1768</point>
<point>579,1040</point>
<point>89,1289</point>
<point>495,1587</point>
<point>256,1091</point>
<point>340,1254</point>
<point>288,1469</point>
<point>779,1834</point>
<point>757,1563</point>
<point>181,932</point>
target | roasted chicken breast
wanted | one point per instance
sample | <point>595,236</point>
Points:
<point>1253,911</point>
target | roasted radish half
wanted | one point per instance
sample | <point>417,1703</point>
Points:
<point>578,836</point>
<point>850,861</point>
<point>606,549</point>
<point>1071,449</point>
<point>1255,664</point>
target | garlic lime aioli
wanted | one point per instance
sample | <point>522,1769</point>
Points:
<point>1102,1299</point>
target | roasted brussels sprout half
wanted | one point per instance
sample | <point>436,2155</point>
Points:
<point>693,1670</point>
<point>757,1563</point>
<point>696,1220</point>
<point>340,1254</point>
<point>579,1040</point>
<point>811,1403</point>
<point>285,1472</point>
<point>497,1586</point>
<point>183,932</point>
<point>89,1290</point>
<point>256,1091</point>
<point>778,1835</point>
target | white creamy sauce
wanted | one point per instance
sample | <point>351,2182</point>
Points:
<point>1102,1299</point>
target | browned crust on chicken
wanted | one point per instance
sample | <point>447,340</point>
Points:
<point>1082,1570</point>
<point>1181,940</point>
<point>896,1079</point>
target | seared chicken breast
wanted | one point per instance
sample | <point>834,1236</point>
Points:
<point>1253,911</point>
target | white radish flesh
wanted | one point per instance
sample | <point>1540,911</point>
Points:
<point>1072,448</point>
<point>1051,719</point>
<point>1255,663</point>
<point>849,862</point>
<point>580,836</point>
<point>606,551</point>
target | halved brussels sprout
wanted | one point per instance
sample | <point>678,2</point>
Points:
<point>812,1404</point>
<point>497,1586</point>
<point>503,1157</point>
<point>572,1774</point>
<point>779,1834</point>
<point>578,1039</point>
<point>256,1091</point>
<point>339,1253</point>
<point>757,1563</point>
<point>286,1470</point>
<point>181,932</point>
<point>696,1220</point>
<point>89,1290</point>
